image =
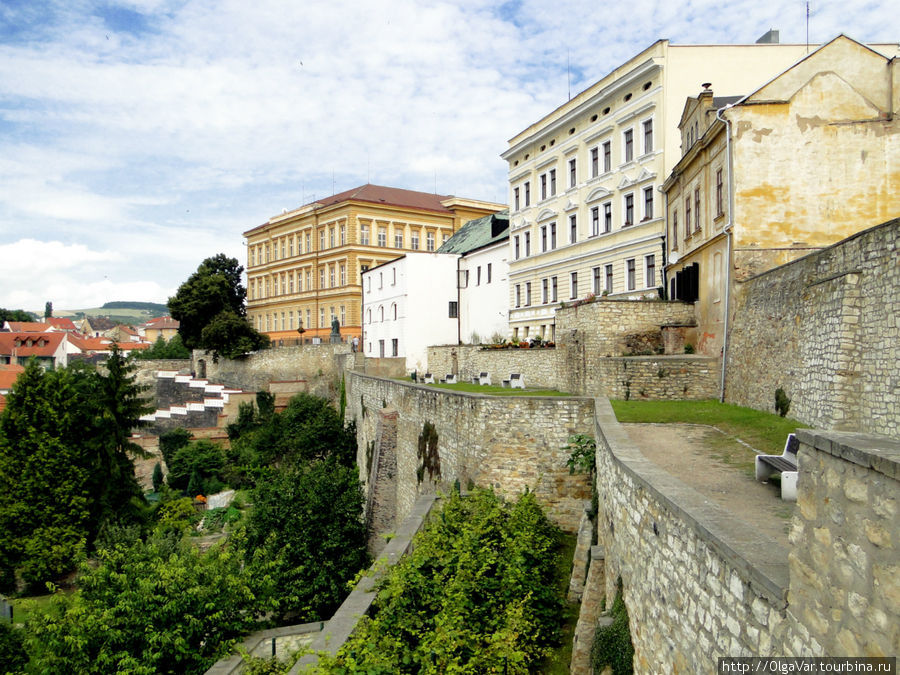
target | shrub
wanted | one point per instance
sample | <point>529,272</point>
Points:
<point>689,349</point>
<point>782,402</point>
<point>612,643</point>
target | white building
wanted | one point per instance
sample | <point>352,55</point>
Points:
<point>408,304</point>
<point>483,277</point>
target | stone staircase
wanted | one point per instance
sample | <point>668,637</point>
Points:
<point>189,403</point>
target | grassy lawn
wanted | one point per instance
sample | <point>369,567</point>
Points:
<point>557,662</point>
<point>25,607</point>
<point>764,431</point>
<point>494,390</point>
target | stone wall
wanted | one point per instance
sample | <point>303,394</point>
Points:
<point>699,583</point>
<point>539,367</point>
<point>825,329</point>
<point>509,443</point>
<point>845,567</point>
<point>319,365</point>
<point>684,377</point>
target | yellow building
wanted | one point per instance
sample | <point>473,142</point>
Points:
<point>304,266</point>
<point>586,213</point>
<point>814,156</point>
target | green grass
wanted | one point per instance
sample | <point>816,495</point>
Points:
<point>494,390</point>
<point>558,661</point>
<point>764,431</point>
<point>26,607</point>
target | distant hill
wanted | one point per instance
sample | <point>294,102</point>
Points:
<point>120,311</point>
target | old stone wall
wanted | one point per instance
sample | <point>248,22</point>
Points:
<point>825,329</point>
<point>646,378</point>
<point>699,583</point>
<point>539,367</point>
<point>509,443</point>
<point>319,365</point>
<point>845,567</point>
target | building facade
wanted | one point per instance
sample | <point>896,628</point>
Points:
<point>304,267</point>
<point>586,212</point>
<point>813,161</point>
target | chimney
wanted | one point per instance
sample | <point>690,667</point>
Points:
<point>770,38</point>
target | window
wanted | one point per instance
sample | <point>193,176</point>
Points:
<point>321,277</point>
<point>381,313</point>
<point>573,228</point>
<point>381,348</point>
<point>719,193</point>
<point>363,235</point>
<point>489,272</point>
<point>414,244</point>
<point>595,162</point>
<point>629,209</point>
<point>478,276</point>
<point>629,274</point>
<point>380,280</point>
<point>291,253</point>
<point>453,311</point>
<point>343,316</point>
<point>528,294</point>
<point>607,157</point>
<point>552,236</point>
<point>395,346</point>
<point>309,279</point>
<point>648,136</point>
<point>343,235</point>
<point>527,244</point>
<point>518,295</point>
<point>573,282</point>
<point>687,217</point>
<point>628,142</point>
<point>607,217</point>
<point>543,180</point>
<point>573,177</point>
<point>309,241</point>
<point>343,274</point>
<point>394,276</point>
<point>330,237</point>
<point>331,276</point>
<point>674,229</point>
<point>545,291</point>
<point>697,210</point>
<point>650,266</point>
<point>648,203</point>
<point>553,289</point>
<point>322,240</point>
<point>394,311</point>
<point>368,315</point>
<point>552,182</point>
<point>516,247</point>
<point>398,240</point>
<point>527,193</point>
<point>321,317</point>
<point>382,236</point>
<point>597,278</point>
<point>543,238</point>
<point>609,279</point>
<point>291,283</point>
<point>307,318</point>
<point>595,221</point>
<point>429,241</point>
<point>515,199</point>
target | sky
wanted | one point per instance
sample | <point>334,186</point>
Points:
<point>138,137</point>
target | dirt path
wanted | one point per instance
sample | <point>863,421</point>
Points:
<point>718,467</point>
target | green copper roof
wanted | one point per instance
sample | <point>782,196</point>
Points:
<point>478,233</point>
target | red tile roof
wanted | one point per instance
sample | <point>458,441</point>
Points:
<point>162,322</point>
<point>30,344</point>
<point>9,372</point>
<point>90,344</point>
<point>61,323</point>
<point>28,327</point>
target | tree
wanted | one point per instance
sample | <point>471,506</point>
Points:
<point>65,468</point>
<point>213,298</point>
<point>157,477</point>
<point>159,606</point>
<point>14,315</point>
<point>173,349</point>
<point>197,468</point>
<point>307,520</point>
<point>48,309</point>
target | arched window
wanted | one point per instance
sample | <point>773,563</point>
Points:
<point>368,316</point>
<point>394,310</point>
<point>381,312</point>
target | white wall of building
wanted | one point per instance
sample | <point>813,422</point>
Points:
<point>484,300</point>
<point>408,301</point>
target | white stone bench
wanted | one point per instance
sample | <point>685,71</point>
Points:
<point>516,381</point>
<point>484,378</point>
<point>428,379</point>
<point>450,379</point>
<point>785,464</point>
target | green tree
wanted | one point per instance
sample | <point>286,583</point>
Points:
<point>197,468</point>
<point>307,520</point>
<point>48,309</point>
<point>210,309</point>
<point>172,441</point>
<point>157,477</point>
<point>14,315</point>
<point>159,606</point>
<point>173,349</point>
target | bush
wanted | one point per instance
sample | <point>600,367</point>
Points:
<point>200,463</point>
<point>782,402</point>
<point>12,651</point>
<point>612,643</point>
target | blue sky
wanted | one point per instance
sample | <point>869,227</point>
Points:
<point>138,137</point>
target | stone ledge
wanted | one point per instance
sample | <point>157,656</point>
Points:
<point>879,453</point>
<point>759,559</point>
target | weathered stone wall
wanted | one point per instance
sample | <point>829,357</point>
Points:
<point>319,365</point>
<point>539,367</point>
<point>845,567</point>
<point>825,329</point>
<point>699,583</point>
<point>506,442</point>
<point>647,378</point>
